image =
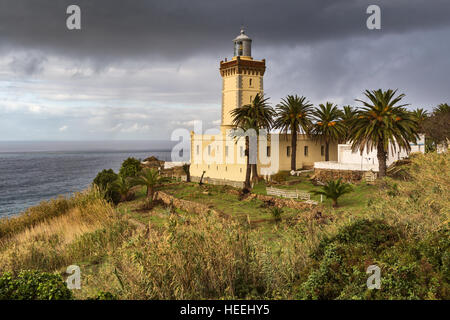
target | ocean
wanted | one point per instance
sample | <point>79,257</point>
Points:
<point>35,171</point>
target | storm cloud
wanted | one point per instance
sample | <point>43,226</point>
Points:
<point>139,69</point>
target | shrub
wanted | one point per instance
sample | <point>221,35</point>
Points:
<point>33,285</point>
<point>276,213</point>
<point>105,180</point>
<point>103,295</point>
<point>130,168</point>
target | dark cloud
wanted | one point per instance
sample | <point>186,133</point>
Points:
<point>176,28</point>
<point>145,67</point>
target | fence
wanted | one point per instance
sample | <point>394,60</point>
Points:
<point>292,194</point>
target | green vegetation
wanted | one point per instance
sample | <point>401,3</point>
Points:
<point>328,127</point>
<point>151,179</point>
<point>293,114</point>
<point>130,168</point>
<point>255,116</point>
<point>334,190</point>
<point>382,122</point>
<point>33,285</point>
<point>242,250</point>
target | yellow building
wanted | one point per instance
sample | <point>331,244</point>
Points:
<point>220,156</point>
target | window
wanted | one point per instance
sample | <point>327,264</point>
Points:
<point>305,151</point>
<point>180,153</point>
<point>240,169</point>
<point>268,151</point>
<point>198,149</point>
<point>241,151</point>
<point>288,151</point>
<point>226,151</point>
<point>322,150</point>
<point>209,150</point>
<point>250,82</point>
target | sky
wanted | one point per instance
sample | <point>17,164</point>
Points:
<point>138,70</point>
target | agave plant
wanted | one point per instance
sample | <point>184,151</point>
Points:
<point>334,189</point>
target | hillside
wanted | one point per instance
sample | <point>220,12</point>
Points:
<point>208,243</point>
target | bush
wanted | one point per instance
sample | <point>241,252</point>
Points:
<point>104,295</point>
<point>105,180</point>
<point>281,176</point>
<point>33,285</point>
<point>130,168</point>
<point>410,269</point>
<point>276,213</point>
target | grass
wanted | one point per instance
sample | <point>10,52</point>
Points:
<point>400,225</point>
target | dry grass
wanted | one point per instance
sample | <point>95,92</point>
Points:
<point>44,245</point>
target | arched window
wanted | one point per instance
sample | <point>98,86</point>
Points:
<point>250,82</point>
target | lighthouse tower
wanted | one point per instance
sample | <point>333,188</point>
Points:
<point>242,78</point>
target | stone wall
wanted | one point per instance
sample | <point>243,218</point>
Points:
<point>185,205</point>
<point>325,175</point>
<point>281,203</point>
<point>219,182</point>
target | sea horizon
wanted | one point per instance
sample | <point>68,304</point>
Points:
<point>35,171</point>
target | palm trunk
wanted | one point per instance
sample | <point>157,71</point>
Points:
<point>150,193</point>
<point>248,171</point>
<point>381,155</point>
<point>294,149</point>
<point>327,151</point>
<point>335,203</point>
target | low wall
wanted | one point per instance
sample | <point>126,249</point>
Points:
<point>185,205</point>
<point>281,203</point>
<point>219,182</point>
<point>324,175</point>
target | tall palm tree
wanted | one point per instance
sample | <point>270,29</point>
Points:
<point>293,114</point>
<point>382,122</point>
<point>420,116</point>
<point>334,190</point>
<point>328,126</point>
<point>151,179</point>
<point>347,117</point>
<point>123,186</point>
<point>256,115</point>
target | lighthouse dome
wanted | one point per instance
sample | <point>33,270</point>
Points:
<point>242,45</point>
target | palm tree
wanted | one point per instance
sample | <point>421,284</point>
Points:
<point>382,122</point>
<point>151,179</point>
<point>347,117</point>
<point>420,116</point>
<point>123,186</point>
<point>328,127</point>
<point>334,189</point>
<point>294,114</point>
<point>257,115</point>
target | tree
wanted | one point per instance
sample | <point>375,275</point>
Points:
<point>294,115</point>
<point>122,186</point>
<point>327,127</point>
<point>334,190</point>
<point>186,170</point>
<point>380,123</point>
<point>347,118</point>
<point>437,126</point>
<point>151,179</point>
<point>105,180</point>
<point>130,168</point>
<point>257,115</point>
<point>420,116</point>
